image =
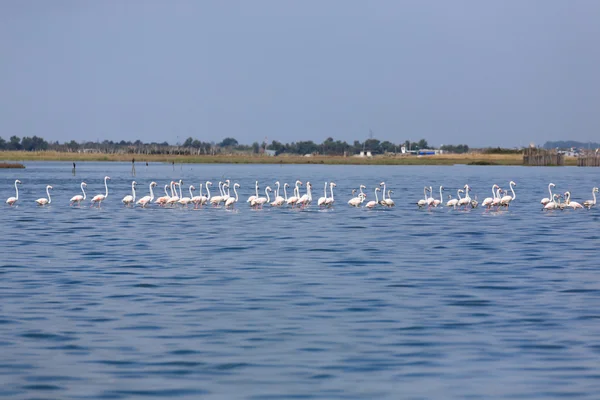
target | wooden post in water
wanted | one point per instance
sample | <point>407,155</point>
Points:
<point>541,158</point>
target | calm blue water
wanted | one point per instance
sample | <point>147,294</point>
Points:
<point>346,303</point>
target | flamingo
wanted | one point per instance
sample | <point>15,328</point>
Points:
<point>573,204</point>
<point>163,199</point>
<point>230,202</point>
<point>467,199</point>
<point>99,198</point>
<point>12,200</point>
<point>285,198</point>
<point>591,203</point>
<point>430,199</point>
<point>423,202</point>
<point>294,199</point>
<point>184,201</point>
<point>262,200</point>
<point>322,200</point>
<point>356,201</point>
<point>552,205</point>
<point>547,200</point>
<point>130,198</point>
<point>204,199</point>
<point>497,198</point>
<point>454,202</point>
<point>215,200</point>
<point>373,203</point>
<point>253,197</point>
<point>144,201</point>
<point>278,199</point>
<point>208,184</point>
<point>197,200</point>
<point>43,201</point>
<point>436,202</point>
<point>487,202</point>
<point>389,202</point>
<point>226,195</point>
<point>505,201</point>
<point>174,196</point>
<point>306,198</point>
<point>79,198</point>
<point>330,200</point>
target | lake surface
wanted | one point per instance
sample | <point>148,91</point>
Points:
<point>117,303</point>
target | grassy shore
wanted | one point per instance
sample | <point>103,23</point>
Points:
<point>445,159</point>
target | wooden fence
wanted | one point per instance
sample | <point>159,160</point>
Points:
<point>541,157</point>
<point>588,160</point>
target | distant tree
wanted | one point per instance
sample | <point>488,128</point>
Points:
<point>73,145</point>
<point>14,143</point>
<point>277,146</point>
<point>2,144</point>
<point>373,145</point>
<point>388,147</point>
<point>422,144</point>
<point>228,142</point>
<point>255,147</point>
<point>188,142</point>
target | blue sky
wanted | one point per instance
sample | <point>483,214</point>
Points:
<point>485,73</point>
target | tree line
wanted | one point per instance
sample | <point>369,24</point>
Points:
<point>193,146</point>
<point>567,144</point>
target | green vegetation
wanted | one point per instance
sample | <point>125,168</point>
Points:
<point>567,144</point>
<point>229,145</point>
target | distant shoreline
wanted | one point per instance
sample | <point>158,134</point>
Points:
<point>442,159</point>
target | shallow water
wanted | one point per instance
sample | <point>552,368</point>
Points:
<point>346,303</point>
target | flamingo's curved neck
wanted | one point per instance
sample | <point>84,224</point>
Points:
<point>83,190</point>
<point>325,190</point>
<point>200,194</point>
<point>106,187</point>
<point>494,191</point>
<point>208,190</point>
<point>424,193</point>
<point>383,193</point>
<point>376,198</point>
<point>236,193</point>
<point>458,194</point>
<point>17,191</point>
<point>172,190</point>
<point>151,193</point>
<point>285,192</point>
<point>550,191</point>
<point>48,193</point>
<point>297,190</point>
<point>267,193</point>
<point>191,194</point>
<point>180,194</point>
<point>331,190</point>
<point>441,197</point>
<point>221,189</point>
<point>133,191</point>
<point>594,195</point>
<point>166,192</point>
<point>256,188</point>
<point>513,191</point>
